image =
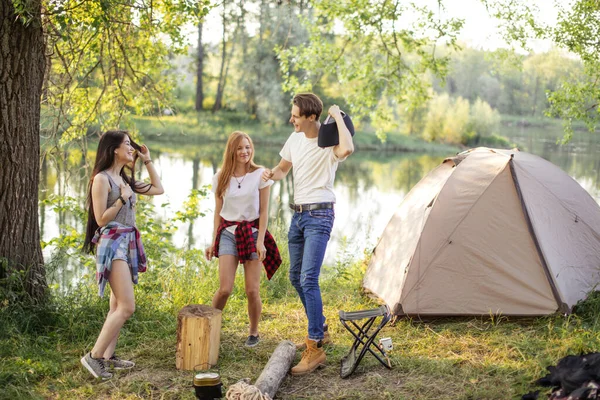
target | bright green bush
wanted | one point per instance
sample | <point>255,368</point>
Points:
<point>454,120</point>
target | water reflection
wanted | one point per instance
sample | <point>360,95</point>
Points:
<point>579,158</point>
<point>369,187</point>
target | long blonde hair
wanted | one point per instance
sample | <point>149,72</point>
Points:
<point>229,161</point>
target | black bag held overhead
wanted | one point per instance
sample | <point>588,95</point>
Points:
<point>328,132</point>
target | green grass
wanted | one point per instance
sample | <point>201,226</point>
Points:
<point>471,358</point>
<point>539,121</point>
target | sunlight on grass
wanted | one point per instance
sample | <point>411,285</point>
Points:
<point>446,358</point>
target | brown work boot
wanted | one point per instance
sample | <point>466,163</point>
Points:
<point>312,358</point>
<point>326,339</point>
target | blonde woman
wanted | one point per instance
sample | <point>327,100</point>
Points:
<point>240,234</point>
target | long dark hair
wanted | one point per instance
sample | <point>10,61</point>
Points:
<point>105,157</point>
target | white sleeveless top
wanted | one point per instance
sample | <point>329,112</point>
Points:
<point>241,201</point>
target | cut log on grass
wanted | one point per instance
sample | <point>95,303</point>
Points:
<point>277,368</point>
<point>198,337</point>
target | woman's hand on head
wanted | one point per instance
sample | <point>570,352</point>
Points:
<point>144,152</point>
<point>126,191</point>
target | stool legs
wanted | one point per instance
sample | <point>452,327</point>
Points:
<point>364,341</point>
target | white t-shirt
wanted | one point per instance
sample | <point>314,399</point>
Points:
<point>313,169</point>
<point>243,203</point>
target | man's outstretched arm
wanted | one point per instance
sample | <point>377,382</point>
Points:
<point>277,173</point>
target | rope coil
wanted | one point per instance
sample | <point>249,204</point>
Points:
<point>244,391</point>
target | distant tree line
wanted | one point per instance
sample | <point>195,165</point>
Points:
<point>262,58</point>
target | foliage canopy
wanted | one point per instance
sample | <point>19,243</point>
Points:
<point>109,59</point>
<point>576,30</point>
<point>371,50</point>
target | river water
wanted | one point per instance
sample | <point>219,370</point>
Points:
<point>369,187</point>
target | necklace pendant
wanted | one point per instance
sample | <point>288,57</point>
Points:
<point>239,186</point>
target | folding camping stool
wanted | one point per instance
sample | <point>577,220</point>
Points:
<point>363,340</point>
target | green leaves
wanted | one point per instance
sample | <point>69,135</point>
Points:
<point>577,30</point>
<point>109,59</point>
<point>25,10</point>
<point>191,207</point>
<point>370,51</point>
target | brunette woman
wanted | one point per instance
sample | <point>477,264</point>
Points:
<point>112,234</point>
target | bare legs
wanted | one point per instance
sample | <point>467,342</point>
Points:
<point>227,267</point>
<point>122,306</point>
<point>252,284</point>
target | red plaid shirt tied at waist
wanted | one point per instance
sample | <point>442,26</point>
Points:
<point>245,244</point>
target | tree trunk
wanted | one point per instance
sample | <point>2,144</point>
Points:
<point>219,96</point>
<point>225,63</point>
<point>277,368</point>
<point>227,66</point>
<point>22,65</point>
<point>199,71</point>
<point>256,88</point>
<point>198,337</point>
<point>535,95</point>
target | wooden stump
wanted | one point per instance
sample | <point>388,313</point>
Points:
<point>277,368</point>
<point>198,337</point>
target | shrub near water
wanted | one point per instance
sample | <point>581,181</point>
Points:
<point>456,121</point>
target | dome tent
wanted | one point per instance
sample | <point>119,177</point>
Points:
<point>489,231</point>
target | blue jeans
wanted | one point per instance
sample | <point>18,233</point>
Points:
<point>307,242</point>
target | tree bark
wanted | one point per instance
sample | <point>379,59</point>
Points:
<point>199,71</point>
<point>277,368</point>
<point>219,96</point>
<point>22,66</point>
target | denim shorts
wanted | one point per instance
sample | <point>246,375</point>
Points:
<point>227,244</point>
<point>122,252</point>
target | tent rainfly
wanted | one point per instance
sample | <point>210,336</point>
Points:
<point>489,232</point>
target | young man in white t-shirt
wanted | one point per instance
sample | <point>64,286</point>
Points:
<point>314,172</point>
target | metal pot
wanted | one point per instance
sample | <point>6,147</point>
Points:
<point>208,386</point>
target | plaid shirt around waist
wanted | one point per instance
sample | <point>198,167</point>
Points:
<point>108,239</point>
<point>246,245</point>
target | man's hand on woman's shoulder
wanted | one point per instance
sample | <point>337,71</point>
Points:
<point>267,174</point>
